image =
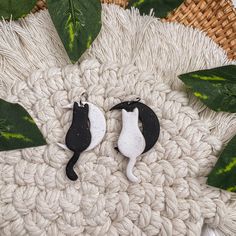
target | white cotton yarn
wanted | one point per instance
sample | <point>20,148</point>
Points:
<point>133,56</point>
<point>234,3</point>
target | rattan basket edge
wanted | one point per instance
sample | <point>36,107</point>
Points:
<point>215,17</point>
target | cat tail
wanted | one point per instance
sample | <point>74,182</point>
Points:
<point>70,167</point>
<point>129,170</point>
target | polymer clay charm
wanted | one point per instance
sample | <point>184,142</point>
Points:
<point>132,142</point>
<point>86,132</point>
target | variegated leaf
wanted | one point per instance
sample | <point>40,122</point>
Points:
<point>161,7</point>
<point>17,128</point>
<point>78,23</point>
<point>15,8</point>
<point>215,87</point>
<point>224,173</point>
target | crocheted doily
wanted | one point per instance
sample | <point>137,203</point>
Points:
<point>134,56</point>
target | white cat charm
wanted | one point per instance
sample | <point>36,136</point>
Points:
<point>131,142</point>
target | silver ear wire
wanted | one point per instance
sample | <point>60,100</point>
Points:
<point>84,97</point>
<point>134,101</point>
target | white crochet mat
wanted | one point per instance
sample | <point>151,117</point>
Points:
<point>133,57</point>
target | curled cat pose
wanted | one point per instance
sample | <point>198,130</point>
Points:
<point>131,142</point>
<point>78,137</point>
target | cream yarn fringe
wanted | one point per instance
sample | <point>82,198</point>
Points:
<point>28,45</point>
<point>126,38</point>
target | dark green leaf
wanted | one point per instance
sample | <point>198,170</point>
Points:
<point>161,7</point>
<point>78,23</point>
<point>16,8</point>
<point>17,129</point>
<point>224,173</point>
<point>216,87</point>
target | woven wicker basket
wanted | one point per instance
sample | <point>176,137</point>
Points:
<point>215,17</point>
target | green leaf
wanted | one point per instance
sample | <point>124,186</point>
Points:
<point>17,129</point>
<point>161,7</point>
<point>215,87</point>
<point>16,8</point>
<point>78,23</point>
<point>224,173</point>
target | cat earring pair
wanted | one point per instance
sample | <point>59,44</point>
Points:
<point>89,126</point>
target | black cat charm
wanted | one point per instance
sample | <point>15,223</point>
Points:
<point>78,137</point>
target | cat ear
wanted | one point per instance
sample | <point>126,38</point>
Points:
<point>124,112</point>
<point>135,111</point>
<point>86,107</point>
<point>76,105</point>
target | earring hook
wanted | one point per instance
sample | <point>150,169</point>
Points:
<point>134,101</point>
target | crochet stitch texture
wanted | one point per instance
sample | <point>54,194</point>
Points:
<point>134,56</point>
